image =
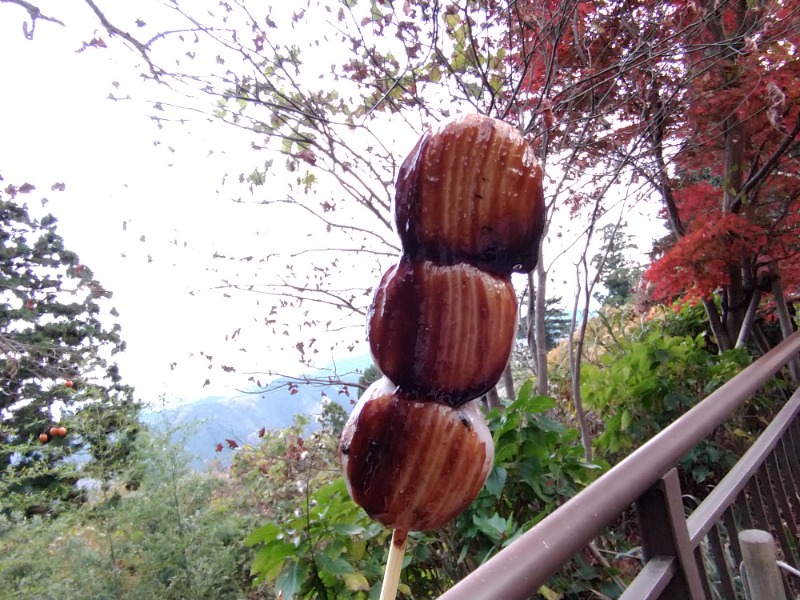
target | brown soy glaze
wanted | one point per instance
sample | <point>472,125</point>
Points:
<point>413,465</point>
<point>472,192</point>
<point>377,451</point>
<point>442,333</point>
<point>393,321</point>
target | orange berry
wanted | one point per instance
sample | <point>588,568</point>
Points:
<point>44,438</point>
<point>69,383</point>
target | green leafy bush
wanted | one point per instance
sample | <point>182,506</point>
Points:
<point>539,463</point>
<point>324,546</point>
<point>642,385</point>
<point>178,536</point>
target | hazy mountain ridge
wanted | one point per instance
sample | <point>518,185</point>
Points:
<point>203,424</point>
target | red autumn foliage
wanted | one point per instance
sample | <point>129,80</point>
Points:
<point>701,100</point>
<point>700,261</point>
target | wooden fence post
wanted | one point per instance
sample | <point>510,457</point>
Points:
<point>764,580</point>
<point>662,524</point>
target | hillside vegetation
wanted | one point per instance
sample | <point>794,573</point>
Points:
<point>279,519</point>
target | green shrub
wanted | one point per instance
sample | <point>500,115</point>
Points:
<point>178,536</point>
<point>642,385</point>
<point>322,545</point>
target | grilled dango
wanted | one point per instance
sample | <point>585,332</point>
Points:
<point>472,192</point>
<point>469,209</point>
<point>413,465</point>
<point>442,332</point>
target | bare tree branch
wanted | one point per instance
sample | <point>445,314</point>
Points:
<point>142,49</point>
<point>35,14</point>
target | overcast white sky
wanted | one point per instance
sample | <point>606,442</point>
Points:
<point>57,125</point>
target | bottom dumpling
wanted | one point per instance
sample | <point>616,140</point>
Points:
<point>414,465</point>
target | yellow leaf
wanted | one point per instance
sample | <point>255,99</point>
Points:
<point>356,582</point>
<point>550,594</point>
<point>358,549</point>
<point>404,589</point>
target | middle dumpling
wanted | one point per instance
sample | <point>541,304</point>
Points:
<point>442,332</point>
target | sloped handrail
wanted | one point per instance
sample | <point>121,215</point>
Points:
<point>516,572</point>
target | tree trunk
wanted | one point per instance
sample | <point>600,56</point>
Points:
<point>493,399</point>
<point>583,424</point>
<point>735,303</point>
<point>785,320</point>
<point>541,330</point>
<point>575,357</point>
<point>530,330</point>
<point>717,328</point>
<point>508,382</point>
<point>749,319</point>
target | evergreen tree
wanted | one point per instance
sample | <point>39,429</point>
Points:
<point>618,274</point>
<point>333,418</point>
<point>556,323</point>
<point>370,375</point>
<point>65,412</point>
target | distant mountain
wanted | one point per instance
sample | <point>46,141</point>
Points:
<point>201,425</point>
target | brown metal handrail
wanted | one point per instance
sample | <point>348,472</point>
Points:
<point>517,572</point>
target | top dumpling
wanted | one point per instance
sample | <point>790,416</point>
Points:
<point>472,192</point>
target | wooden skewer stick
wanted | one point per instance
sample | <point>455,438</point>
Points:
<point>394,564</point>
